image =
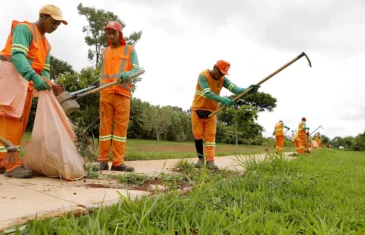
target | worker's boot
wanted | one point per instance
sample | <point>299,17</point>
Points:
<point>199,163</point>
<point>103,166</point>
<point>20,173</point>
<point>2,170</point>
<point>123,167</point>
<point>212,166</point>
<point>199,151</point>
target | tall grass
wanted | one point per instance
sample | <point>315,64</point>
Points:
<point>321,193</point>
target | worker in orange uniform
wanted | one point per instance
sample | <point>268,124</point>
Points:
<point>28,50</point>
<point>279,135</point>
<point>206,99</point>
<point>302,128</point>
<point>297,142</point>
<point>318,139</point>
<point>119,62</point>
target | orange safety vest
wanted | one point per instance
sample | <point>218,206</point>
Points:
<point>200,101</point>
<point>301,131</point>
<point>39,48</point>
<point>116,61</point>
<point>279,129</point>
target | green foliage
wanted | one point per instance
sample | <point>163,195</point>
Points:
<point>359,142</point>
<point>260,100</point>
<point>59,67</point>
<point>309,195</point>
<point>95,34</point>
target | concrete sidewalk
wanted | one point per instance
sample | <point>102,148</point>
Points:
<point>41,197</point>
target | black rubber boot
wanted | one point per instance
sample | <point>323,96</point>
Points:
<point>103,166</point>
<point>212,166</point>
<point>200,152</point>
<point>20,173</point>
<point>123,167</point>
<point>2,170</point>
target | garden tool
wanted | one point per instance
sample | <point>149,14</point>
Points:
<point>264,80</point>
<point>271,144</point>
<point>11,149</point>
<point>68,100</point>
<point>315,130</point>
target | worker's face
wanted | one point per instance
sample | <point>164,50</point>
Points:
<point>217,74</point>
<point>114,36</point>
<point>48,24</point>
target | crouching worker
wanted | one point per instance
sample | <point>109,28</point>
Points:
<point>28,50</point>
<point>206,99</point>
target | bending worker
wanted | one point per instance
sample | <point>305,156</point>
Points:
<point>28,50</point>
<point>206,99</point>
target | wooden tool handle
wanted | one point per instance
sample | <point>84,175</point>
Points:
<point>6,143</point>
<point>109,84</point>
<point>262,81</point>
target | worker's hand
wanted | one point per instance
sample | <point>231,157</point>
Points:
<point>40,84</point>
<point>124,77</point>
<point>228,102</point>
<point>255,88</point>
<point>57,89</point>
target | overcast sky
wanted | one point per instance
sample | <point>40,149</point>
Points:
<point>183,37</point>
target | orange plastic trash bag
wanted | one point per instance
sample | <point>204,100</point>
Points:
<point>13,91</point>
<point>51,150</point>
<point>314,144</point>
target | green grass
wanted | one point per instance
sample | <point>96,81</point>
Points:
<point>320,193</point>
<point>151,149</point>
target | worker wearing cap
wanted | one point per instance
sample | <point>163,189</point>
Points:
<point>28,50</point>
<point>302,128</point>
<point>318,139</point>
<point>206,99</point>
<point>279,135</point>
<point>119,61</point>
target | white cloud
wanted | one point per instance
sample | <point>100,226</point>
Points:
<point>182,38</point>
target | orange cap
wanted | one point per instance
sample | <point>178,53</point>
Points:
<point>54,12</point>
<point>223,66</point>
<point>118,27</point>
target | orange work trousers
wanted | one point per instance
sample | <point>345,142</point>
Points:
<point>205,129</point>
<point>303,143</point>
<point>12,129</point>
<point>279,143</point>
<point>319,142</point>
<point>114,119</point>
<point>297,144</point>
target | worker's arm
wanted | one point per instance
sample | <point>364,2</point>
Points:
<point>47,67</point>
<point>286,127</point>
<point>22,38</point>
<point>135,67</point>
<point>235,89</point>
<point>304,126</point>
<point>207,93</point>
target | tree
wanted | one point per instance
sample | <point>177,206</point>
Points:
<point>95,34</point>
<point>359,142</point>
<point>59,67</point>
<point>260,100</point>
<point>158,119</point>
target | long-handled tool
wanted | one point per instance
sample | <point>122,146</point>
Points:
<point>11,149</point>
<point>68,100</point>
<point>264,80</point>
<point>315,130</point>
<point>271,143</point>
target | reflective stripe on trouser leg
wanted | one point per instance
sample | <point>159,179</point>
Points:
<point>105,129</point>
<point>122,105</point>
<point>302,144</point>
<point>210,131</point>
<point>12,129</point>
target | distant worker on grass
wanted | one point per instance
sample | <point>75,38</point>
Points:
<point>206,99</point>
<point>302,128</point>
<point>279,135</point>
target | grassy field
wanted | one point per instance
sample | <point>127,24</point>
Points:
<point>320,193</point>
<point>151,149</point>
